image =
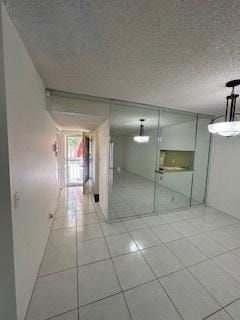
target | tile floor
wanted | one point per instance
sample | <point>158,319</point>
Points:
<point>183,265</point>
<point>132,195</point>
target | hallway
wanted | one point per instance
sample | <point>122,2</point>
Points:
<point>179,265</point>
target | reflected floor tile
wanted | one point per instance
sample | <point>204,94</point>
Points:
<point>96,281</point>
<point>113,228</point>
<point>190,298</point>
<point>90,231</point>
<point>230,263</point>
<point>207,245</point>
<point>53,294</point>
<point>106,309</point>
<point>92,251</point>
<point>72,315</point>
<point>166,233</point>
<point>58,258</point>
<point>65,222</point>
<point>149,301</point>
<point>220,284</point>
<point>134,224</point>
<point>162,260</point>
<point>120,244</point>
<point>234,310</point>
<point>186,252</point>
<point>145,238</point>
<point>62,237</point>
<point>132,270</point>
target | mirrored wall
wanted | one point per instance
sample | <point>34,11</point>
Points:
<point>158,160</point>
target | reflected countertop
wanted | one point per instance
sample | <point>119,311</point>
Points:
<point>172,169</point>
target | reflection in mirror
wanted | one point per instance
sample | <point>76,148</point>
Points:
<point>176,160</point>
<point>201,160</point>
<point>132,162</point>
<point>158,160</point>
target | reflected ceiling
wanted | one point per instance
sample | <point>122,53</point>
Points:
<point>171,53</point>
<point>125,120</point>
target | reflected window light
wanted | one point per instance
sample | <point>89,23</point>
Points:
<point>133,247</point>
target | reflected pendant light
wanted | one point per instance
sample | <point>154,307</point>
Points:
<point>141,138</point>
<point>230,126</point>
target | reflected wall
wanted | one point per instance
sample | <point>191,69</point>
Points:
<point>167,172</point>
<point>132,164</point>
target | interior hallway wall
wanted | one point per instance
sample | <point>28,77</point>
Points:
<point>95,158</point>
<point>104,139</point>
<point>7,276</point>
<point>31,133</point>
<point>224,181</point>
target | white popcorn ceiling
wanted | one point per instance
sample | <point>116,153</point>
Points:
<point>171,53</point>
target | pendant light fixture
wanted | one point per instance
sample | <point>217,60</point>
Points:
<point>141,138</point>
<point>230,126</point>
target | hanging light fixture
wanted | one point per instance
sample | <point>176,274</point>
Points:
<point>230,126</point>
<point>141,138</point>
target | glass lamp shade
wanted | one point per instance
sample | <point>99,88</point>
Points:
<point>226,129</point>
<point>141,139</point>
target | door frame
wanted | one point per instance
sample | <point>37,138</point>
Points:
<point>66,135</point>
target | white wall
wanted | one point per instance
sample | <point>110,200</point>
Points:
<point>104,139</point>
<point>7,276</point>
<point>224,181</point>
<point>95,157</point>
<point>31,133</point>
<point>179,137</point>
<point>119,151</point>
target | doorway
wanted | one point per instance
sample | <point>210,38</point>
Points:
<point>74,160</point>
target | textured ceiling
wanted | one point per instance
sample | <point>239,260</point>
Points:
<point>172,53</point>
<point>72,122</point>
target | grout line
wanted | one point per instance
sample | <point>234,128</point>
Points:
<point>156,278</point>
<point>76,248</point>
<point>124,297</point>
<point>140,250</point>
<point>161,284</point>
<point>149,247</point>
<point>185,268</point>
<point>60,314</point>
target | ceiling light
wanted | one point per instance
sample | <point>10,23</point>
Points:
<point>141,138</point>
<point>230,126</point>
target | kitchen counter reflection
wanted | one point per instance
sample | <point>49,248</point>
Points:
<point>172,169</point>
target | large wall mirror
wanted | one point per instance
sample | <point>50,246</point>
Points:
<point>158,160</point>
<point>132,163</point>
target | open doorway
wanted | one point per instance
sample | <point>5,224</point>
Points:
<point>74,159</point>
